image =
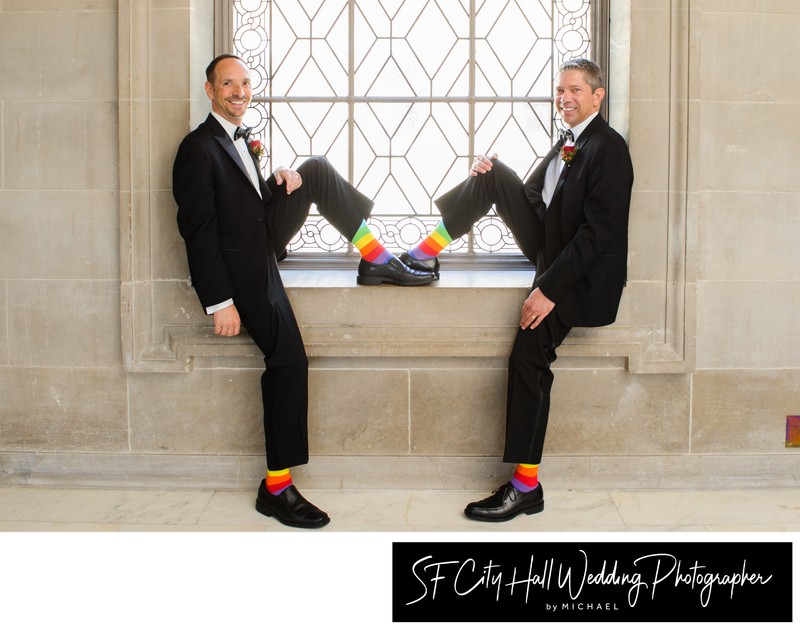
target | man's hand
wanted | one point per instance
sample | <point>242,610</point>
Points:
<point>481,164</point>
<point>292,178</point>
<point>227,322</point>
<point>535,309</point>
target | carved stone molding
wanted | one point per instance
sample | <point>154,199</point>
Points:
<point>164,330</point>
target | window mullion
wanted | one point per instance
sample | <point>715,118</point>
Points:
<point>504,111</point>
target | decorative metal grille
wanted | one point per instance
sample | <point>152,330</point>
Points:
<point>401,94</point>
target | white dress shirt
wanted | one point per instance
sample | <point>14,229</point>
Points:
<point>557,164</point>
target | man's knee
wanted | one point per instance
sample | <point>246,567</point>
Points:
<point>288,362</point>
<point>501,170</point>
<point>315,163</point>
<point>531,350</point>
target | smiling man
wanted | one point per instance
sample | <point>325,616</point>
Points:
<point>236,225</point>
<point>570,218</point>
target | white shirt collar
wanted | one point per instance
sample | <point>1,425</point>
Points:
<point>578,129</point>
<point>227,125</point>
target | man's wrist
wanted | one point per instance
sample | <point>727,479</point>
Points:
<point>210,310</point>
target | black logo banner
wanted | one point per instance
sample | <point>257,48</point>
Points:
<point>587,582</point>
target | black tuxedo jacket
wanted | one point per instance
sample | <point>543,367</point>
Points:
<point>582,256</point>
<point>221,217</point>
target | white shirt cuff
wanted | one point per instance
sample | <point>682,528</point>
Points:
<point>218,307</point>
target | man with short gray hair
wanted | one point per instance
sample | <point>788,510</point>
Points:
<point>570,218</point>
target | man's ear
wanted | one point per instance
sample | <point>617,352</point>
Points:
<point>600,94</point>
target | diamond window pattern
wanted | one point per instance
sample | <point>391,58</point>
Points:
<point>401,94</point>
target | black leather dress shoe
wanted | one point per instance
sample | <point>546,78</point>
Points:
<point>290,508</point>
<point>393,272</point>
<point>432,264</point>
<point>505,503</point>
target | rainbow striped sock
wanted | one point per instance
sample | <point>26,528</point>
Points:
<point>370,247</point>
<point>526,477</point>
<point>433,244</point>
<point>278,480</point>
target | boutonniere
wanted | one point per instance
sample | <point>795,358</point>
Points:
<point>256,148</point>
<point>568,153</point>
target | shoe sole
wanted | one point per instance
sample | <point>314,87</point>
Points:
<point>267,512</point>
<point>373,281</point>
<point>539,507</point>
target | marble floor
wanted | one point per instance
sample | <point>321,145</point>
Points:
<point>29,509</point>
<point>207,559</point>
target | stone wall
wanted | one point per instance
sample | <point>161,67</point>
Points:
<point>109,373</point>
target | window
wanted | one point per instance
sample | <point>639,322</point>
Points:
<point>401,94</point>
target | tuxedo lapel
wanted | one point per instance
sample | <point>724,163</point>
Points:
<point>562,178</point>
<point>582,140</point>
<point>539,173</point>
<point>535,183</point>
<point>227,144</point>
<point>261,181</point>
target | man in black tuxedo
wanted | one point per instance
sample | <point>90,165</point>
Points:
<point>236,225</point>
<point>571,220</point>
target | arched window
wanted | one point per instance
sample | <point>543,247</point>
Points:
<point>401,94</point>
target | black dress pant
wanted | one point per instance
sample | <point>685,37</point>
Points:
<point>530,378</point>
<point>272,324</point>
<point>462,206</point>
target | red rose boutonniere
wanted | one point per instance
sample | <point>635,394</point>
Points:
<point>568,154</point>
<point>257,149</point>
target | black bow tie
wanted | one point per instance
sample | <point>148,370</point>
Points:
<point>242,132</point>
<point>565,135</point>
